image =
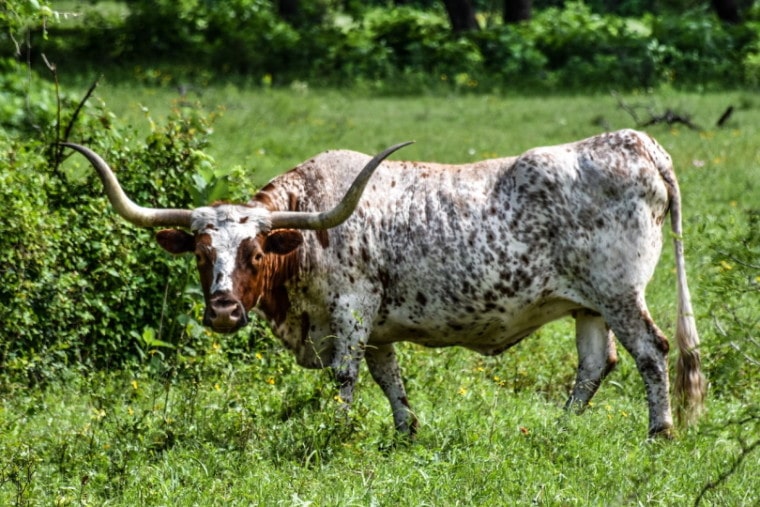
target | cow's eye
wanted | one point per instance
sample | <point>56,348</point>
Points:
<point>257,258</point>
<point>200,258</point>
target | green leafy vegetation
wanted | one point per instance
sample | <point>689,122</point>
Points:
<point>408,49</point>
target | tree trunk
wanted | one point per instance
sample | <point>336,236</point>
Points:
<point>288,10</point>
<point>727,10</point>
<point>517,10</point>
<point>461,15</point>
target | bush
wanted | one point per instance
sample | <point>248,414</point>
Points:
<point>510,56</point>
<point>77,284</point>
<point>563,48</point>
<point>696,48</point>
<point>421,42</point>
<point>587,50</point>
<point>734,288</point>
<point>242,36</point>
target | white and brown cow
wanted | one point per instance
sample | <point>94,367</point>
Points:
<point>477,255</point>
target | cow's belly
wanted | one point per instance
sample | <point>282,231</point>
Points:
<point>488,332</point>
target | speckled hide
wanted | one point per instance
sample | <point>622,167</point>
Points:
<point>477,255</point>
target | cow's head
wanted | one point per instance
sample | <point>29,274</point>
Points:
<point>242,252</point>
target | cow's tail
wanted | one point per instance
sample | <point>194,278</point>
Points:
<point>690,387</point>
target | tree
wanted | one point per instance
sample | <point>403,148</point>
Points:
<point>515,11</point>
<point>288,10</point>
<point>461,15</point>
<point>727,10</point>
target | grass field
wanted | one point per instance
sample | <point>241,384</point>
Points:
<point>218,429</point>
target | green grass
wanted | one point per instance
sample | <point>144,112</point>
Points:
<point>257,430</point>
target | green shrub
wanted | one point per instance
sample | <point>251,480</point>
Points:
<point>696,48</point>
<point>564,47</point>
<point>77,284</point>
<point>510,56</point>
<point>416,40</point>
<point>241,36</point>
<point>734,289</point>
<point>587,50</point>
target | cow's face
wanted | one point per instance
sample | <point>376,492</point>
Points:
<point>241,262</point>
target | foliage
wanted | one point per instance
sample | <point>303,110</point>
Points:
<point>584,48</point>
<point>411,48</point>
<point>240,35</point>
<point>16,18</point>
<point>695,47</point>
<point>734,288</point>
<point>78,285</point>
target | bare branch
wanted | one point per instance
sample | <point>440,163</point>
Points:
<point>725,116</point>
<point>746,451</point>
<point>58,149</point>
<point>79,108</point>
<point>669,116</point>
<point>738,261</point>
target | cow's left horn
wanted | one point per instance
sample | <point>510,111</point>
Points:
<point>341,212</point>
<point>143,217</point>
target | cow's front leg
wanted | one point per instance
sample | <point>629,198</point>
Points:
<point>597,356</point>
<point>351,329</point>
<point>382,364</point>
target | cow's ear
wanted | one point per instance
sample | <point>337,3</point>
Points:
<point>282,241</point>
<point>175,241</point>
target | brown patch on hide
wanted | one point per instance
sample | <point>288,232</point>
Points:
<point>260,278</point>
<point>323,237</point>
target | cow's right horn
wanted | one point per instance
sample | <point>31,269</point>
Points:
<point>143,217</point>
<point>341,212</point>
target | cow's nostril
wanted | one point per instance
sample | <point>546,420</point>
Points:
<point>225,313</point>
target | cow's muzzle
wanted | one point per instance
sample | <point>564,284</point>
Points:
<point>225,314</point>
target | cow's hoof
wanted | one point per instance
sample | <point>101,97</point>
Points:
<point>665,433</point>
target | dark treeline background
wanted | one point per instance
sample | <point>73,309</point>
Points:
<point>483,45</point>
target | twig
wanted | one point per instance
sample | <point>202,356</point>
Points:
<point>746,451</point>
<point>625,107</point>
<point>72,121</point>
<point>747,357</point>
<point>670,117</point>
<point>718,326</point>
<point>738,261</point>
<point>57,147</point>
<point>725,116</point>
<point>79,108</point>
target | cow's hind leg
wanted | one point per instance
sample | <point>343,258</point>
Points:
<point>637,332</point>
<point>384,368</point>
<point>597,356</point>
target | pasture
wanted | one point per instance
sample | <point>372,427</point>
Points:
<point>252,428</point>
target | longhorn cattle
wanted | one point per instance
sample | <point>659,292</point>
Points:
<point>477,255</point>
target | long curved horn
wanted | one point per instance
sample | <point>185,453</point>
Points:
<point>143,217</point>
<point>341,212</point>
